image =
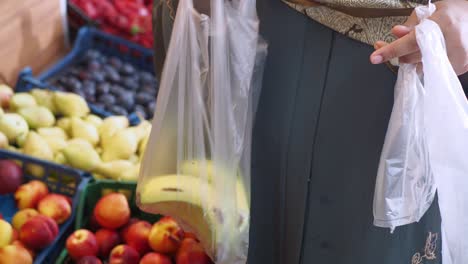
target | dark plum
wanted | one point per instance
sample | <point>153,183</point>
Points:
<point>127,69</point>
<point>117,110</point>
<point>146,78</point>
<point>126,100</point>
<point>94,65</point>
<point>151,107</point>
<point>92,55</point>
<point>130,83</point>
<point>143,98</point>
<point>103,88</point>
<point>107,99</point>
<point>115,62</point>
<point>141,110</point>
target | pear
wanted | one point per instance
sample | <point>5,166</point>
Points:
<point>60,158</point>
<point>142,130</point>
<point>20,100</point>
<point>118,170</point>
<point>80,154</point>
<point>3,141</point>
<point>56,144</point>
<point>21,139</point>
<point>142,145</point>
<point>55,132</point>
<point>13,126</point>
<point>94,120</point>
<point>37,116</point>
<point>1,111</point>
<point>65,124</point>
<point>37,147</point>
<point>84,130</point>
<point>120,146</point>
<point>110,126</point>
<point>134,159</point>
<point>5,95</point>
<point>44,98</point>
<point>70,104</point>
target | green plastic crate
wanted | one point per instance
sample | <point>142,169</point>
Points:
<point>91,194</point>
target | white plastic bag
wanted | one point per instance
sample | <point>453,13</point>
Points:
<point>196,167</point>
<point>426,146</point>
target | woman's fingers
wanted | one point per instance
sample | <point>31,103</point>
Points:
<point>400,31</point>
<point>400,47</point>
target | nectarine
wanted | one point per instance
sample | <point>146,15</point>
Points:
<point>15,254</point>
<point>124,254</point>
<point>155,258</point>
<point>6,233</point>
<point>28,195</point>
<point>22,216</point>
<point>81,243</point>
<point>137,237</point>
<point>38,232</point>
<point>89,260</point>
<point>112,211</point>
<point>106,239</point>
<point>55,206</point>
<point>191,252</point>
<point>165,236</point>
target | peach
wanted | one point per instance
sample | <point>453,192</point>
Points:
<point>155,258</point>
<point>124,229</point>
<point>191,252</point>
<point>93,224</point>
<point>190,235</point>
<point>137,236</point>
<point>89,260</point>
<point>15,254</point>
<point>165,236</point>
<point>22,216</point>
<point>124,254</point>
<point>20,244</point>
<point>81,243</point>
<point>55,206</point>
<point>38,232</point>
<point>112,211</point>
<point>6,233</point>
<point>28,195</point>
<point>106,239</point>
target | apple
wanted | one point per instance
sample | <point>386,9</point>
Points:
<point>11,176</point>
<point>55,206</point>
<point>137,237</point>
<point>89,260</point>
<point>112,211</point>
<point>124,254</point>
<point>106,239</point>
<point>38,232</point>
<point>6,93</point>
<point>28,195</point>
<point>165,236</point>
<point>22,216</point>
<point>191,252</point>
<point>15,254</point>
<point>81,243</point>
<point>155,258</point>
<point>6,233</point>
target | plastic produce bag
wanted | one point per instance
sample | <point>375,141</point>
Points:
<point>196,167</point>
<point>426,146</point>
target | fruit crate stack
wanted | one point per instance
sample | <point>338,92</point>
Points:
<point>114,75</point>
<point>122,233</point>
<point>40,208</point>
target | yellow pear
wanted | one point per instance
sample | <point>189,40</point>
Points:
<point>37,147</point>
<point>13,126</point>
<point>60,158</point>
<point>134,159</point>
<point>94,120</point>
<point>55,143</point>
<point>37,116</point>
<point>55,132</point>
<point>44,98</point>
<point>142,145</point>
<point>3,141</point>
<point>21,139</point>
<point>84,130</point>
<point>80,154</point>
<point>110,126</point>
<point>70,104</point>
<point>142,130</point>
<point>123,170</point>
<point>20,100</point>
<point>65,124</point>
<point>120,146</point>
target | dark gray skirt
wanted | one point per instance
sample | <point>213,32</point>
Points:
<point>319,131</point>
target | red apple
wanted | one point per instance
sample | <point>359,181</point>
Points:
<point>82,243</point>
<point>124,254</point>
<point>155,258</point>
<point>38,232</point>
<point>106,239</point>
<point>191,252</point>
<point>165,236</point>
<point>11,176</point>
<point>89,260</point>
<point>137,237</point>
<point>112,211</point>
<point>55,206</point>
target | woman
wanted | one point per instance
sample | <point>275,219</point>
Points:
<point>321,123</point>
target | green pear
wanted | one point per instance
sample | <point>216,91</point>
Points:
<point>94,120</point>
<point>3,141</point>
<point>60,158</point>
<point>21,139</point>
<point>123,170</point>
<point>13,126</point>
<point>80,154</point>
<point>65,124</point>
<point>110,126</point>
<point>120,146</point>
<point>20,100</point>
<point>37,116</point>
<point>55,132</point>
<point>70,104</point>
<point>44,98</point>
<point>84,130</point>
<point>37,147</point>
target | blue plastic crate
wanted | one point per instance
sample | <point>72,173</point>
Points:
<point>59,179</point>
<point>91,38</point>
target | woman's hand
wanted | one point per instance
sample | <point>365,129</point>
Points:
<point>452,18</point>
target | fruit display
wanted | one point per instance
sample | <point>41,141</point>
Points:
<point>130,19</point>
<point>57,127</point>
<point>114,235</point>
<point>110,84</point>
